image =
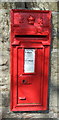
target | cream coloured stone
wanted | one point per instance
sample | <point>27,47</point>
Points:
<point>4,49</point>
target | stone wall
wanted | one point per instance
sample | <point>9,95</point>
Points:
<point>5,60</point>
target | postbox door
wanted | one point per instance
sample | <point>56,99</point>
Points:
<point>30,75</point>
<point>30,78</point>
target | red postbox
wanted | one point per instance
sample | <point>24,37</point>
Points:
<point>30,52</point>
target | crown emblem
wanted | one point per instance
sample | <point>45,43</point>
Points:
<point>31,20</point>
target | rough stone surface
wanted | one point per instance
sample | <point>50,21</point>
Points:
<point>5,59</point>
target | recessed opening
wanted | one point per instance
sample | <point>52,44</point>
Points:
<point>31,36</point>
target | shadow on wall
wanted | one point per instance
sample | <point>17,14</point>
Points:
<point>58,57</point>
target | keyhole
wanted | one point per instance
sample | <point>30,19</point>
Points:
<point>23,81</point>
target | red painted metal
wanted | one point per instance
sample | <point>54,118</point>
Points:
<point>30,29</point>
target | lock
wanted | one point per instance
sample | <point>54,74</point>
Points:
<point>30,40</point>
<point>24,81</point>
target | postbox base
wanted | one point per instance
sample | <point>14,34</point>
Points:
<point>29,109</point>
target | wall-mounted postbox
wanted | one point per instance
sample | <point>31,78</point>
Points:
<point>30,51</point>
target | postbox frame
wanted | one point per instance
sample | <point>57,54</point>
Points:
<point>44,45</point>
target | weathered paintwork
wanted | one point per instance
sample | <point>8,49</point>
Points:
<point>30,30</point>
